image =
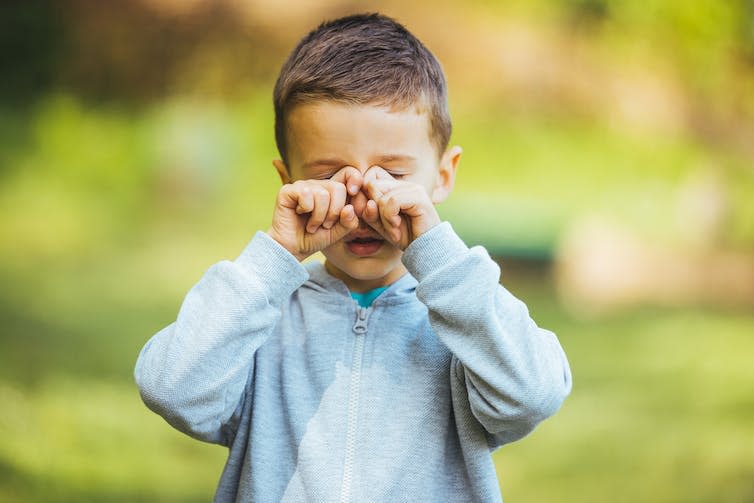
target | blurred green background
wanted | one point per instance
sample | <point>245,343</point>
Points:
<point>608,165</point>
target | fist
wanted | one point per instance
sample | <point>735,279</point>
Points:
<point>310,215</point>
<point>399,210</point>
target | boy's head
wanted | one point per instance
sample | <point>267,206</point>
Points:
<point>366,59</point>
<point>361,91</point>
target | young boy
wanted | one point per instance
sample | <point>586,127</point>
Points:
<point>391,371</point>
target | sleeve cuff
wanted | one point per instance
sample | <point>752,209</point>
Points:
<point>278,271</point>
<point>433,250</point>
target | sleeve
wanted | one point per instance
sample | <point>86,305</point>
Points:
<point>514,373</point>
<point>195,372</point>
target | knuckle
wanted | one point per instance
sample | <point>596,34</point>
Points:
<point>387,201</point>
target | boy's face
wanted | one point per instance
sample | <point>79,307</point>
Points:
<point>324,137</point>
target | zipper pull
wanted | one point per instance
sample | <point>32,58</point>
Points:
<point>360,327</point>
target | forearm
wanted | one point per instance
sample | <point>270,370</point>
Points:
<point>194,371</point>
<point>515,373</point>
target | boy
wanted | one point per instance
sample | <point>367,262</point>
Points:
<point>391,371</point>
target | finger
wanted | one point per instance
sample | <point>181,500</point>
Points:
<point>389,217</point>
<point>337,201</point>
<point>319,212</point>
<point>371,190</point>
<point>379,180</point>
<point>378,173</point>
<point>376,188</point>
<point>390,209</point>
<point>359,202</point>
<point>288,197</point>
<point>371,216</point>
<point>369,178</point>
<point>347,221</point>
<point>371,212</point>
<point>351,178</point>
<point>304,198</point>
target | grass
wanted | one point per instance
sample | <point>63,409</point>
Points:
<point>86,439</point>
<point>660,412</point>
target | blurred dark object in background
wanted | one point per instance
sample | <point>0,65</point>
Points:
<point>131,51</point>
<point>31,47</point>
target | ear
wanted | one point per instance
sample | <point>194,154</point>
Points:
<point>282,170</point>
<point>446,174</point>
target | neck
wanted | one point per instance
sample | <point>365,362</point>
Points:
<point>365,285</point>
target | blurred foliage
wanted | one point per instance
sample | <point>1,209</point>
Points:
<point>135,148</point>
<point>103,90</point>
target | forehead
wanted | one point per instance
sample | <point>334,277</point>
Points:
<point>356,133</point>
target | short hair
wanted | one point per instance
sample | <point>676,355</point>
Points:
<point>365,59</point>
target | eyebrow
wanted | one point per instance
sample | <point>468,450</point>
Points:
<point>396,157</point>
<point>323,162</point>
<point>384,158</point>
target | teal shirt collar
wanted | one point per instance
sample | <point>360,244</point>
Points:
<point>365,299</point>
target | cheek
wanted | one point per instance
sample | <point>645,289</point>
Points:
<point>427,182</point>
<point>425,176</point>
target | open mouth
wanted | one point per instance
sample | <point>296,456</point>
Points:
<point>364,246</point>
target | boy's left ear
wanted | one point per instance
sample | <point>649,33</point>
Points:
<point>282,170</point>
<point>446,174</point>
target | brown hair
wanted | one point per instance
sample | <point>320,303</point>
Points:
<point>363,59</point>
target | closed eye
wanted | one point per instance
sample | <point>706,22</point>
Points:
<point>323,176</point>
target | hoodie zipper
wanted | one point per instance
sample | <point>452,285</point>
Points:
<point>360,329</point>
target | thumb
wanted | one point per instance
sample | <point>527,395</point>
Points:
<point>371,216</point>
<point>346,223</point>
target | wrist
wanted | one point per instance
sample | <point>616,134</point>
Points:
<point>420,226</point>
<point>433,251</point>
<point>290,249</point>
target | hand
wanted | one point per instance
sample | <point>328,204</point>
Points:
<point>399,210</point>
<point>310,215</point>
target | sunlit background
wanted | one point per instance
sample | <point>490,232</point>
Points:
<point>608,165</point>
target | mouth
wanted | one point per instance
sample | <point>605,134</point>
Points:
<point>364,246</point>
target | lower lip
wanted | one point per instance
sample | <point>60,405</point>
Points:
<point>364,249</point>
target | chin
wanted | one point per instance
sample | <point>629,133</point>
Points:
<point>345,266</point>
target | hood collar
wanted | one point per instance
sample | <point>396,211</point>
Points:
<point>320,279</point>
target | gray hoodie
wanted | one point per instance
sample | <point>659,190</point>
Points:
<point>321,400</point>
